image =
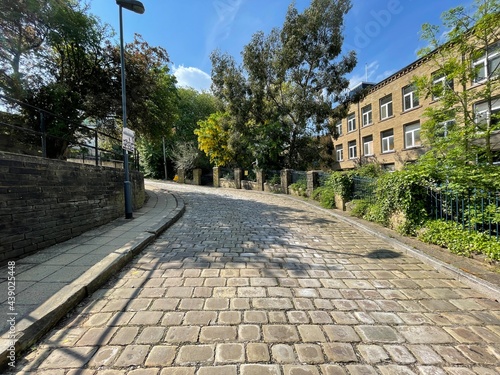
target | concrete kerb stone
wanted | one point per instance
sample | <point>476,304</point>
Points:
<point>483,286</point>
<point>30,330</point>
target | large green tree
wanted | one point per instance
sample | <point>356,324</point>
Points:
<point>24,28</point>
<point>291,77</point>
<point>462,127</point>
<point>57,56</point>
<point>181,143</point>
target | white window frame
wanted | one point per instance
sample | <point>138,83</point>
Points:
<point>387,141</point>
<point>339,152</point>
<point>386,109</point>
<point>389,167</point>
<point>368,145</point>
<point>412,135</point>
<point>439,79</point>
<point>445,126</point>
<point>485,63</point>
<point>351,123</point>
<point>481,110</point>
<point>410,95</point>
<point>367,114</point>
<point>353,152</point>
<point>338,125</point>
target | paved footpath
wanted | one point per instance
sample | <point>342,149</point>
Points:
<point>258,284</point>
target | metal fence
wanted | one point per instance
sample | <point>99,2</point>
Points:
<point>475,210</point>
<point>364,188</point>
<point>298,176</point>
<point>23,130</point>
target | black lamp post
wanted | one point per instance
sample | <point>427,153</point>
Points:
<point>137,7</point>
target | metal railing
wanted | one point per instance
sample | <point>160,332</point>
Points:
<point>24,130</point>
<point>364,188</point>
<point>475,210</point>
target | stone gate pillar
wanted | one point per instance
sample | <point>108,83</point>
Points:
<point>312,182</point>
<point>197,176</point>
<point>216,176</point>
<point>286,180</point>
<point>181,176</point>
<point>260,180</point>
<point>237,177</point>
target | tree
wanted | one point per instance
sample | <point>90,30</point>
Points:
<point>192,107</point>
<point>151,92</point>
<point>462,125</point>
<point>69,62</point>
<point>213,138</point>
<point>293,76</point>
<point>24,27</point>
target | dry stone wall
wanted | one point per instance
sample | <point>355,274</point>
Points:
<point>45,201</point>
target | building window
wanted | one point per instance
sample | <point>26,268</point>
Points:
<point>339,150</point>
<point>386,107</point>
<point>410,97</point>
<point>390,167</point>
<point>387,141</point>
<point>366,112</point>
<point>440,84</point>
<point>412,135</point>
<point>484,114</point>
<point>338,126</point>
<point>368,145</point>
<point>351,123</point>
<point>444,128</point>
<point>487,64</point>
<point>352,150</point>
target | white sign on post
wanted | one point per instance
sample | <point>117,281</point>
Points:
<point>128,140</point>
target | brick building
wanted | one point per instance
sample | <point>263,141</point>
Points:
<point>384,127</point>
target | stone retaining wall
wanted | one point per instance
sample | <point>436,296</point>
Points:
<point>45,201</point>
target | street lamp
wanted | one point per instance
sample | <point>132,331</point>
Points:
<point>137,7</point>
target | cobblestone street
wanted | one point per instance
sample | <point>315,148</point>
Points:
<point>248,283</point>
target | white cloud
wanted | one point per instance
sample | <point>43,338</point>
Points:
<point>192,77</point>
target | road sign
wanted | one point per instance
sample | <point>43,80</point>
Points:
<point>128,140</point>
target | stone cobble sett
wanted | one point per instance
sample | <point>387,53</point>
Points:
<point>255,284</point>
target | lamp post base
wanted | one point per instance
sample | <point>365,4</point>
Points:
<point>128,200</point>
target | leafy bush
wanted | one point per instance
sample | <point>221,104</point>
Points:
<point>325,196</point>
<point>359,207</point>
<point>400,193</point>
<point>299,187</point>
<point>340,183</point>
<point>458,240</point>
<point>371,170</point>
<point>274,180</point>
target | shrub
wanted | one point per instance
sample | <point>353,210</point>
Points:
<point>359,207</point>
<point>299,187</point>
<point>325,196</point>
<point>399,193</point>
<point>274,180</point>
<point>458,240</point>
<point>340,183</point>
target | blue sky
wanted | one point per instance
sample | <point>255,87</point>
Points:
<point>384,33</point>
